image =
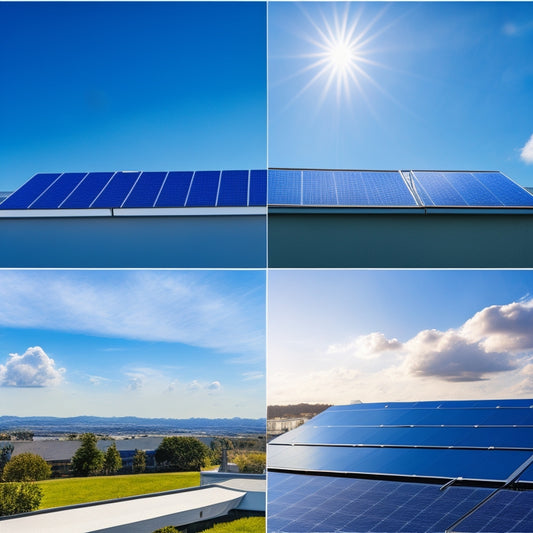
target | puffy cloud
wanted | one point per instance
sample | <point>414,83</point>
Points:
<point>371,345</point>
<point>31,369</point>
<point>503,327</point>
<point>215,386</point>
<point>526,153</point>
<point>450,356</point>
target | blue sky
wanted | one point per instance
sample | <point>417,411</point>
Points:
<point>433,85</point>
<point>89,86</point>
<point>397,335</point>
<point>171,344</point>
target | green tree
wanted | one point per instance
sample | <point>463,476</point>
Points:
<point>251,463</point>
<point>112,460</point>
<point>88,459</point>
<point>182,454</point>
<point>217,445</point>
<point>139,461</point>
<point>5,455</point>
<point>27,467</point>
<point>19,498</point>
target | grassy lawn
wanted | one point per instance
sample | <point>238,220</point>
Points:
<point>59,492</point>
<point>253,524</point>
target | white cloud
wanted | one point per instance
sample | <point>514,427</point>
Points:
<point>215,386</point>
<point>98,380</point>
<point>371,345</point>
<point>252,376</point>
<point>31,369</point>
<point>526,153</point>
<point>190,308</point>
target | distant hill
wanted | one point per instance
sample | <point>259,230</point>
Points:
<point>125,425</point>
<point>306,410</point>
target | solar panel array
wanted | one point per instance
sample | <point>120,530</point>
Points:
<point>73,190</point>
<point>342,188</point>
<point>481,443</point>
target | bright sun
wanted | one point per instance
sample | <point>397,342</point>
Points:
<point>340,56</point>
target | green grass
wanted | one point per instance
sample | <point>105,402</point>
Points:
<point>252,524</point>
<point>59,492</point>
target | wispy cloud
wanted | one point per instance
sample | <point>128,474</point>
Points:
<point>31,369</point>
<point>514,29</point>
<point>189,308</point>
<point>526,153</point>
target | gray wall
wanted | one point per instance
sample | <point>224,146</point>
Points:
<point>134,242</point>
<point>400,240</point>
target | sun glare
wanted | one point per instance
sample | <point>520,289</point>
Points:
<point>339,54</point>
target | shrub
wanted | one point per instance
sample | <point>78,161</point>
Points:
<point>182,454</point>
<point>19,498</point>
<point>27,467</point>
<point>88,459</point>
<point>251,463</point>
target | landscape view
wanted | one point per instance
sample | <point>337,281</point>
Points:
<point>122,383</point>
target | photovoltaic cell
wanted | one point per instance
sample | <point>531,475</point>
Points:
<point>284,187</point>
<point>88,189</point>
<point>258,187</point>
<point>319,188</point>
<point>174,190</point>
<point>58,191</point>
<point>204,188</point>
<point>317,503</point>
<point>29,192</point>
<point>233,189</point>
<point>145,190</point>
<point>115,192</point>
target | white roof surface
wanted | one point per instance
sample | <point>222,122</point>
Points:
<point>134,515</point>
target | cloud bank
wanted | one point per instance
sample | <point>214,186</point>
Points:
<point>31,369</point>
<point>526,153</point>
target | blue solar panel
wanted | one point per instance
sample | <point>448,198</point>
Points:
<point>89,188</point>
<point>29,192</point>
<point>469,189</point>
<point>115,192</point>
<point>319,188</point>
<point>483,437</point>
<point>258,187</point>
<point>146,190</point>
<point>58,191</point>
<point>233,189</point>
<point>175,189</point>
<point>318,503</point>
<point>204,189</point>
<point>440,463</point>
<point>284,187</point>
<point>505,511</point>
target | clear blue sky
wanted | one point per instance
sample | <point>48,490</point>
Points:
<point>89,86</point>
<point>435,85</point>
<point>172,344</point>
<point>395,335</point>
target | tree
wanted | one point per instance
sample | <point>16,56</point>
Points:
<point>19,498</point>
<point>88,459</point>
<point>112,460</point>
<point>182,454</point>
<point>251,463</point>
<point>217,445</point>
<point>5,455</point>
<point>139,461</point>
<point>27,467</point>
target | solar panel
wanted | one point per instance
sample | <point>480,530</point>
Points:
<point>174,190</point>
<point>469,189</point>
<point>318,503</point>
<point>29,192</point>
<point>85,193</point>
<point>258,187</point>
<point>145,190</point>
<point>204,189</point>
<point>284,187</point>
<point>58,191</point>
<point>233,189</point>
<point>116,190</point>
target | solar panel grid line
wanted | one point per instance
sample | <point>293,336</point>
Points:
<point>161,188</point>
<point>190,187</point>
<point>102,189</point>
<point>131,190</point>
<point>46,189</point>
<point>218,187</point>
<point>301,187</point>
<point>248,189</point>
